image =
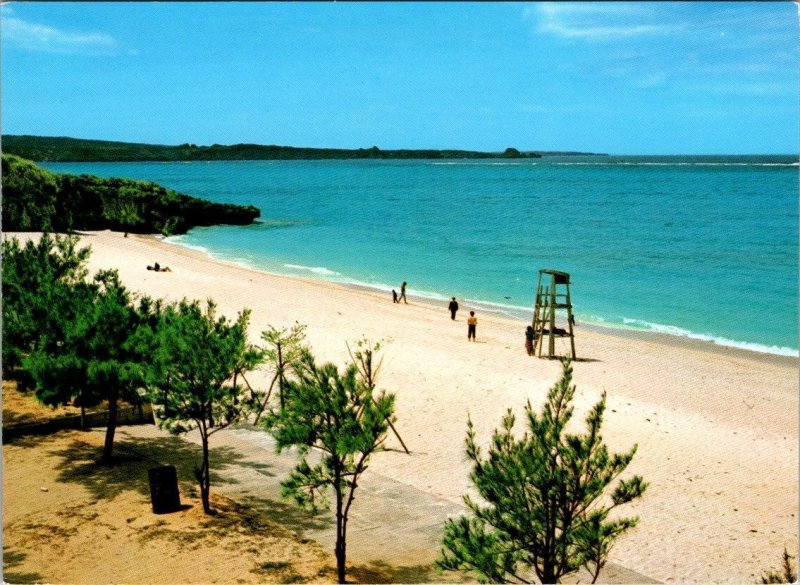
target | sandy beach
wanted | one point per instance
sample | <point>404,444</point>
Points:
<point>717,428</point>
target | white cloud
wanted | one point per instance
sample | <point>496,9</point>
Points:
<point>41,37</point>
<point>598,21</point>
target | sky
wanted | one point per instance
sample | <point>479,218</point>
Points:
<point>618,78</point>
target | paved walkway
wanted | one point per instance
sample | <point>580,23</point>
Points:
<point>393,527</point>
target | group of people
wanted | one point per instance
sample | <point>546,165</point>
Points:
<point>396,299</point>
<point>156,267</point>
<point>472,320</point>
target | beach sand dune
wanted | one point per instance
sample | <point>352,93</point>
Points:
<point>717,428</point>
<point>73,522</point>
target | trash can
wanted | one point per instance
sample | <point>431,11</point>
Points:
<point>164,489</point>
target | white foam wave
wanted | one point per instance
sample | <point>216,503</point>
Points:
<point>179,241</point>
<point>681,332</point>
<point>499,306</point>
<point>676,164</point>
<point>315,269</point>
<point>237,260</point>
<point>519,312</point>
<point>385,288</point>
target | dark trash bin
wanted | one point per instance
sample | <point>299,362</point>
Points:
<point>164,489</point>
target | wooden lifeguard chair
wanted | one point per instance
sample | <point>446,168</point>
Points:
<point>552,296</point>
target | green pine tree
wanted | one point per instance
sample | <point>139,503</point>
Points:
<point>194,375</point>
<point>100,358</point>
<point>43,288</point>
<point>284,347</point>
<point>339,415</point>
<point>547,508</point>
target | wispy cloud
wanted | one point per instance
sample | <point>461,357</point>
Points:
<point>598,22</point>
<point>41,37</point>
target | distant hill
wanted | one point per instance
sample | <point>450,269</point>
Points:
<point>34,199</point>
<point>62,149</point>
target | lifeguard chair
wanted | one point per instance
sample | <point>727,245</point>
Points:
<point>552,297</point>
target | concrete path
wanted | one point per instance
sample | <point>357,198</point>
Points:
<point>394,529</point>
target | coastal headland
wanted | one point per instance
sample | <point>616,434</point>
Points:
<point>716,428</point>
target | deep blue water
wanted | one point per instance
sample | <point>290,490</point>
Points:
<point>699,246</point>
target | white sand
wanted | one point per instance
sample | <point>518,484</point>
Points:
<point>717,428</point>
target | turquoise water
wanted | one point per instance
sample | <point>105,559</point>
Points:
<point>704,247</point>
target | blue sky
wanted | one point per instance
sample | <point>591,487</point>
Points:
<point>632,78</point>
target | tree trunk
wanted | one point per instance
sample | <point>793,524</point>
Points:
<point>205,477</point>
<point>280,375</point>
<point>341,557</point>
<point>341,526</point>
<point>266,399</point>
<point>111,428</point>
<point>83,417</point>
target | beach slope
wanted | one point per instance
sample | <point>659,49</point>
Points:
<point>717,428</point>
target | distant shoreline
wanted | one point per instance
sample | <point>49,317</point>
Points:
<point>66,149</point>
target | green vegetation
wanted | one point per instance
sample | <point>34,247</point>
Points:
<point>61,149</point>
<point>74,341</point>
<point>284,347</point>
<point>195,372</point>
<point>43,289</point>
<point>337,414</point>
<point>545,493</point>
<point>35,199</point>
<point>546,501</point>
<point>100,357</point>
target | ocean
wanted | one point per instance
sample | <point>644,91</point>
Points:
<point>700,247</point>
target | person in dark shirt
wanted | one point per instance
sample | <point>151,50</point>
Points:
<point>453,307</point>
<point>529,335</point>
<point>394,296</point>
<point>403,293</point>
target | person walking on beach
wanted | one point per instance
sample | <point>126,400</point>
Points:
<point>394,296</point>
<point>529,335</point>
<point>472,323</point>
<point>403,293</point>
<point>453,307</point>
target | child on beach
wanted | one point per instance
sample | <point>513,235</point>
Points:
<point>394,296</point>
<point>529,340</point>
<point>472,323</point>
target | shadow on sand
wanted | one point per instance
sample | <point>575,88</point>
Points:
<point>383,572</point>
<point>12,559</point>
<point>134,456</point>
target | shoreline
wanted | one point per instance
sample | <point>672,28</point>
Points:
<point>716,427</point>
<point>610,330</point>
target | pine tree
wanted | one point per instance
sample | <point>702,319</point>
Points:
<point>194,381</point>
<point>43,287</point>
<point>547,509</point>
<point>337,414</point>
<point>99,358</point>
<point>284,347</point>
